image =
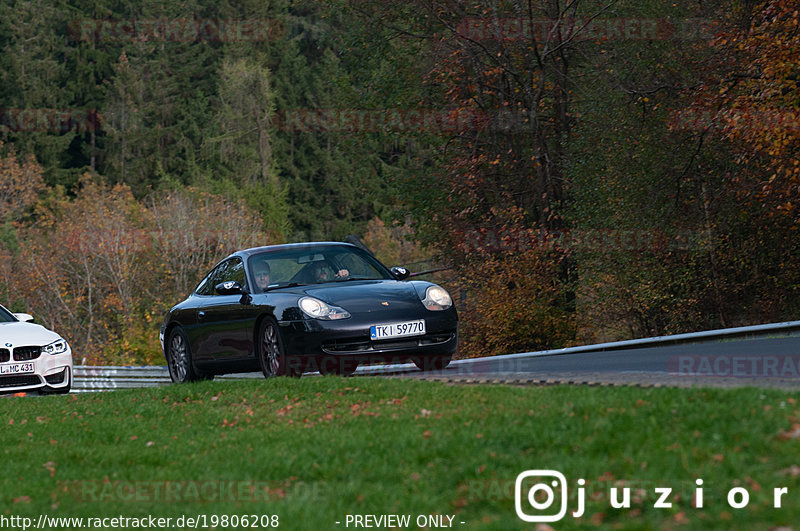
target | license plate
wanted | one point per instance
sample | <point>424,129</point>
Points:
<point>387,331</point>
<point>17,368</point>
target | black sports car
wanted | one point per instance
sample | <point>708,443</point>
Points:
<point>289,309</point>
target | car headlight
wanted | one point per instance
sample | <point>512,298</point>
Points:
<point>437,298</point>
<point>319,310</point>
<point>56,347</point>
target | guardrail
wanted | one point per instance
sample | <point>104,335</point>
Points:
<point>109,378</point>
<point>89,378</point>
<point>693,337</point>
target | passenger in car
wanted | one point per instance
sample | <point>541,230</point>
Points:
<point>322,272</point>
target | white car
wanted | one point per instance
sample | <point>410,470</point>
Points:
<point>32,358</point>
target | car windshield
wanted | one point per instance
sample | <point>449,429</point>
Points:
<point>6,316</point>
<point>314,265</point>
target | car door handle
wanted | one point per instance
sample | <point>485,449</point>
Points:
<point>201,315</point>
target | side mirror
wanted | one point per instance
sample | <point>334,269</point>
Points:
<point>229,288</point>
<point>400,273</point>
<point>24,317</point>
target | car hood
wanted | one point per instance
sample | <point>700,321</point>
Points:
<point>367,295</point>
<point>24,334</point>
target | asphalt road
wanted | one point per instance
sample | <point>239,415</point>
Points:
<point>761,362</point>
<point>773,362</point>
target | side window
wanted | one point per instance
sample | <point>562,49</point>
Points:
<point>206,287</point>
<point>234,271</point>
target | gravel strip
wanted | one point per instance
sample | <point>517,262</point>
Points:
<point>606,380</point>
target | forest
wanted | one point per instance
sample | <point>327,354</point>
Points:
<point>582,170</point>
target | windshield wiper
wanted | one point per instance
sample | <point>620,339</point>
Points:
<point>279,286</point>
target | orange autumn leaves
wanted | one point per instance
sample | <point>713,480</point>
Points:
<point>752,98</point>
<point>102,267</point>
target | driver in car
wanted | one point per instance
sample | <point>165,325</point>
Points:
<point>261,271</point>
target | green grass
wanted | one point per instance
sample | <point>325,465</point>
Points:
<point>317,449</point>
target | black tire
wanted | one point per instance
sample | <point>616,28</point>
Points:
<point>271,355</point>
<point>337,366</point>
<point>432,363</point>
<point>179,358</point>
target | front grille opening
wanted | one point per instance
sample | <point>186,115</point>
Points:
<point>5,355</point>
<point>354,345</point>
<point>435,339</point>
<point>27,353</point>
<point>58,378</point>
<point>18,381</point>
<point>347,345</point>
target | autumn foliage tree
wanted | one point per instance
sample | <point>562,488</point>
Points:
<point>505,74</point>
<point>748,101</point>
<point>103,268</point>
<point>191,229</point>
<point>80,263</point>
<point>752,100</point>
<point>20,184</point>
<point>577,130</point>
